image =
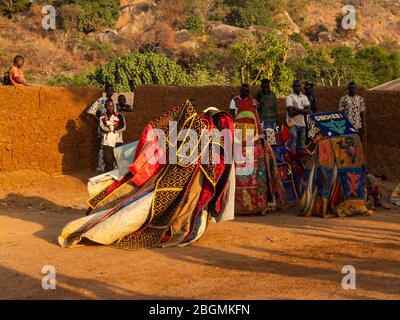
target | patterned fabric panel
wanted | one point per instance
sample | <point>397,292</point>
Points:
<point>332,124</point>
<point>352,183</point>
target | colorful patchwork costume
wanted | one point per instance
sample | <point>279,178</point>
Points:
<point>161,203</point>
<point>258,185</point>
<point>336,172</point>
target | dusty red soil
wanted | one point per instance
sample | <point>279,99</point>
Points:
<point>280,256</point>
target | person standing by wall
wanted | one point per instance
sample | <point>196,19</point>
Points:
<point>298,107</point>
<point>353,106</point>
<point>267,105</point>
<point>97,110</point>
<point>112,124</point>
<point>244,95</point>
<point>122,106</point>
<point>309,93</point>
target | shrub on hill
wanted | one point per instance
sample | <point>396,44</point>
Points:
<point>10,7</point>
<point>94,15</point>
<point>127,71</point>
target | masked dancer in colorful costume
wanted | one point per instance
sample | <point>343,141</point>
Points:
<point>258,186</point>
<point>336,172</point>
<point>165,203</point>
<point>290,164</point>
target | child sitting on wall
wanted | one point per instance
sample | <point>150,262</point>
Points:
<point>15,75</point>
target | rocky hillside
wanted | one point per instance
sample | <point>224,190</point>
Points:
<point>377,22</point>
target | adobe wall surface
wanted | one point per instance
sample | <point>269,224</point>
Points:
<point>43,129</point>
<point>46,128</point>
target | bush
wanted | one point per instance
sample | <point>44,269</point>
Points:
<point>10,7</point>
<point>218,11</point>
<point>95,15</point>
<point>62,80</point>
<point>127,71</point>
<point>101,47</point>
<point>165,35</point>
<point>297,37</point>
<point>69,17</point>
<point>246,13</point>
<point>200,76</point>
<point>195,24</point>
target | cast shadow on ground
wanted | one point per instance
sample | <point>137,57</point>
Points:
<point>50,216</point>
<point>56,217</point>
<point>217,258</point>
<point>25,287</point>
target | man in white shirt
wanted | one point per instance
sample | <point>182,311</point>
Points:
<point>298,106</point>
<point>112,124</point>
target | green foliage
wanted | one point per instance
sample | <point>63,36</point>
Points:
<point>297,10</point>
<point>195,24</point>
<point>246,13</point>
<point>10,7</point>
<point>218,11</point>
<point>127,71</point>
<point>103,48</point>
<point>200,76</point>
<point>62,80</point>
<point>368,67</point>
<point>264,59</point>
<point>94,15</point>
<point>326,66</point>
<point>297,37</point>
<point>69,17</point>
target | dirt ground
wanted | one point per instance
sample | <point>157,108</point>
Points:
<point>280,256</point>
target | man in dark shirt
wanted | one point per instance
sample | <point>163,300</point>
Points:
<point>309,92</point>
<point>267,107</point>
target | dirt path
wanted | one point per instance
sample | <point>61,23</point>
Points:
<point>274,257</point>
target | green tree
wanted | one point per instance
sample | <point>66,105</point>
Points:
<point>94,14</point>
<point>127,71</point>
<point>369,67</point>
<point>265,59</point>
<point>382,64</point>
<point>245,13</point>
<point>10,7</point>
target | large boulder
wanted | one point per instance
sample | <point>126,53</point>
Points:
<point>297,50</point>
<point>108,36</point>
<point>136,17</point>
<point>223,34</point>
<point>182,36</point>
<point>285,19</point>
<point>325,36</point>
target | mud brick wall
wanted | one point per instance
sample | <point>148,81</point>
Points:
<point>46,128</point>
